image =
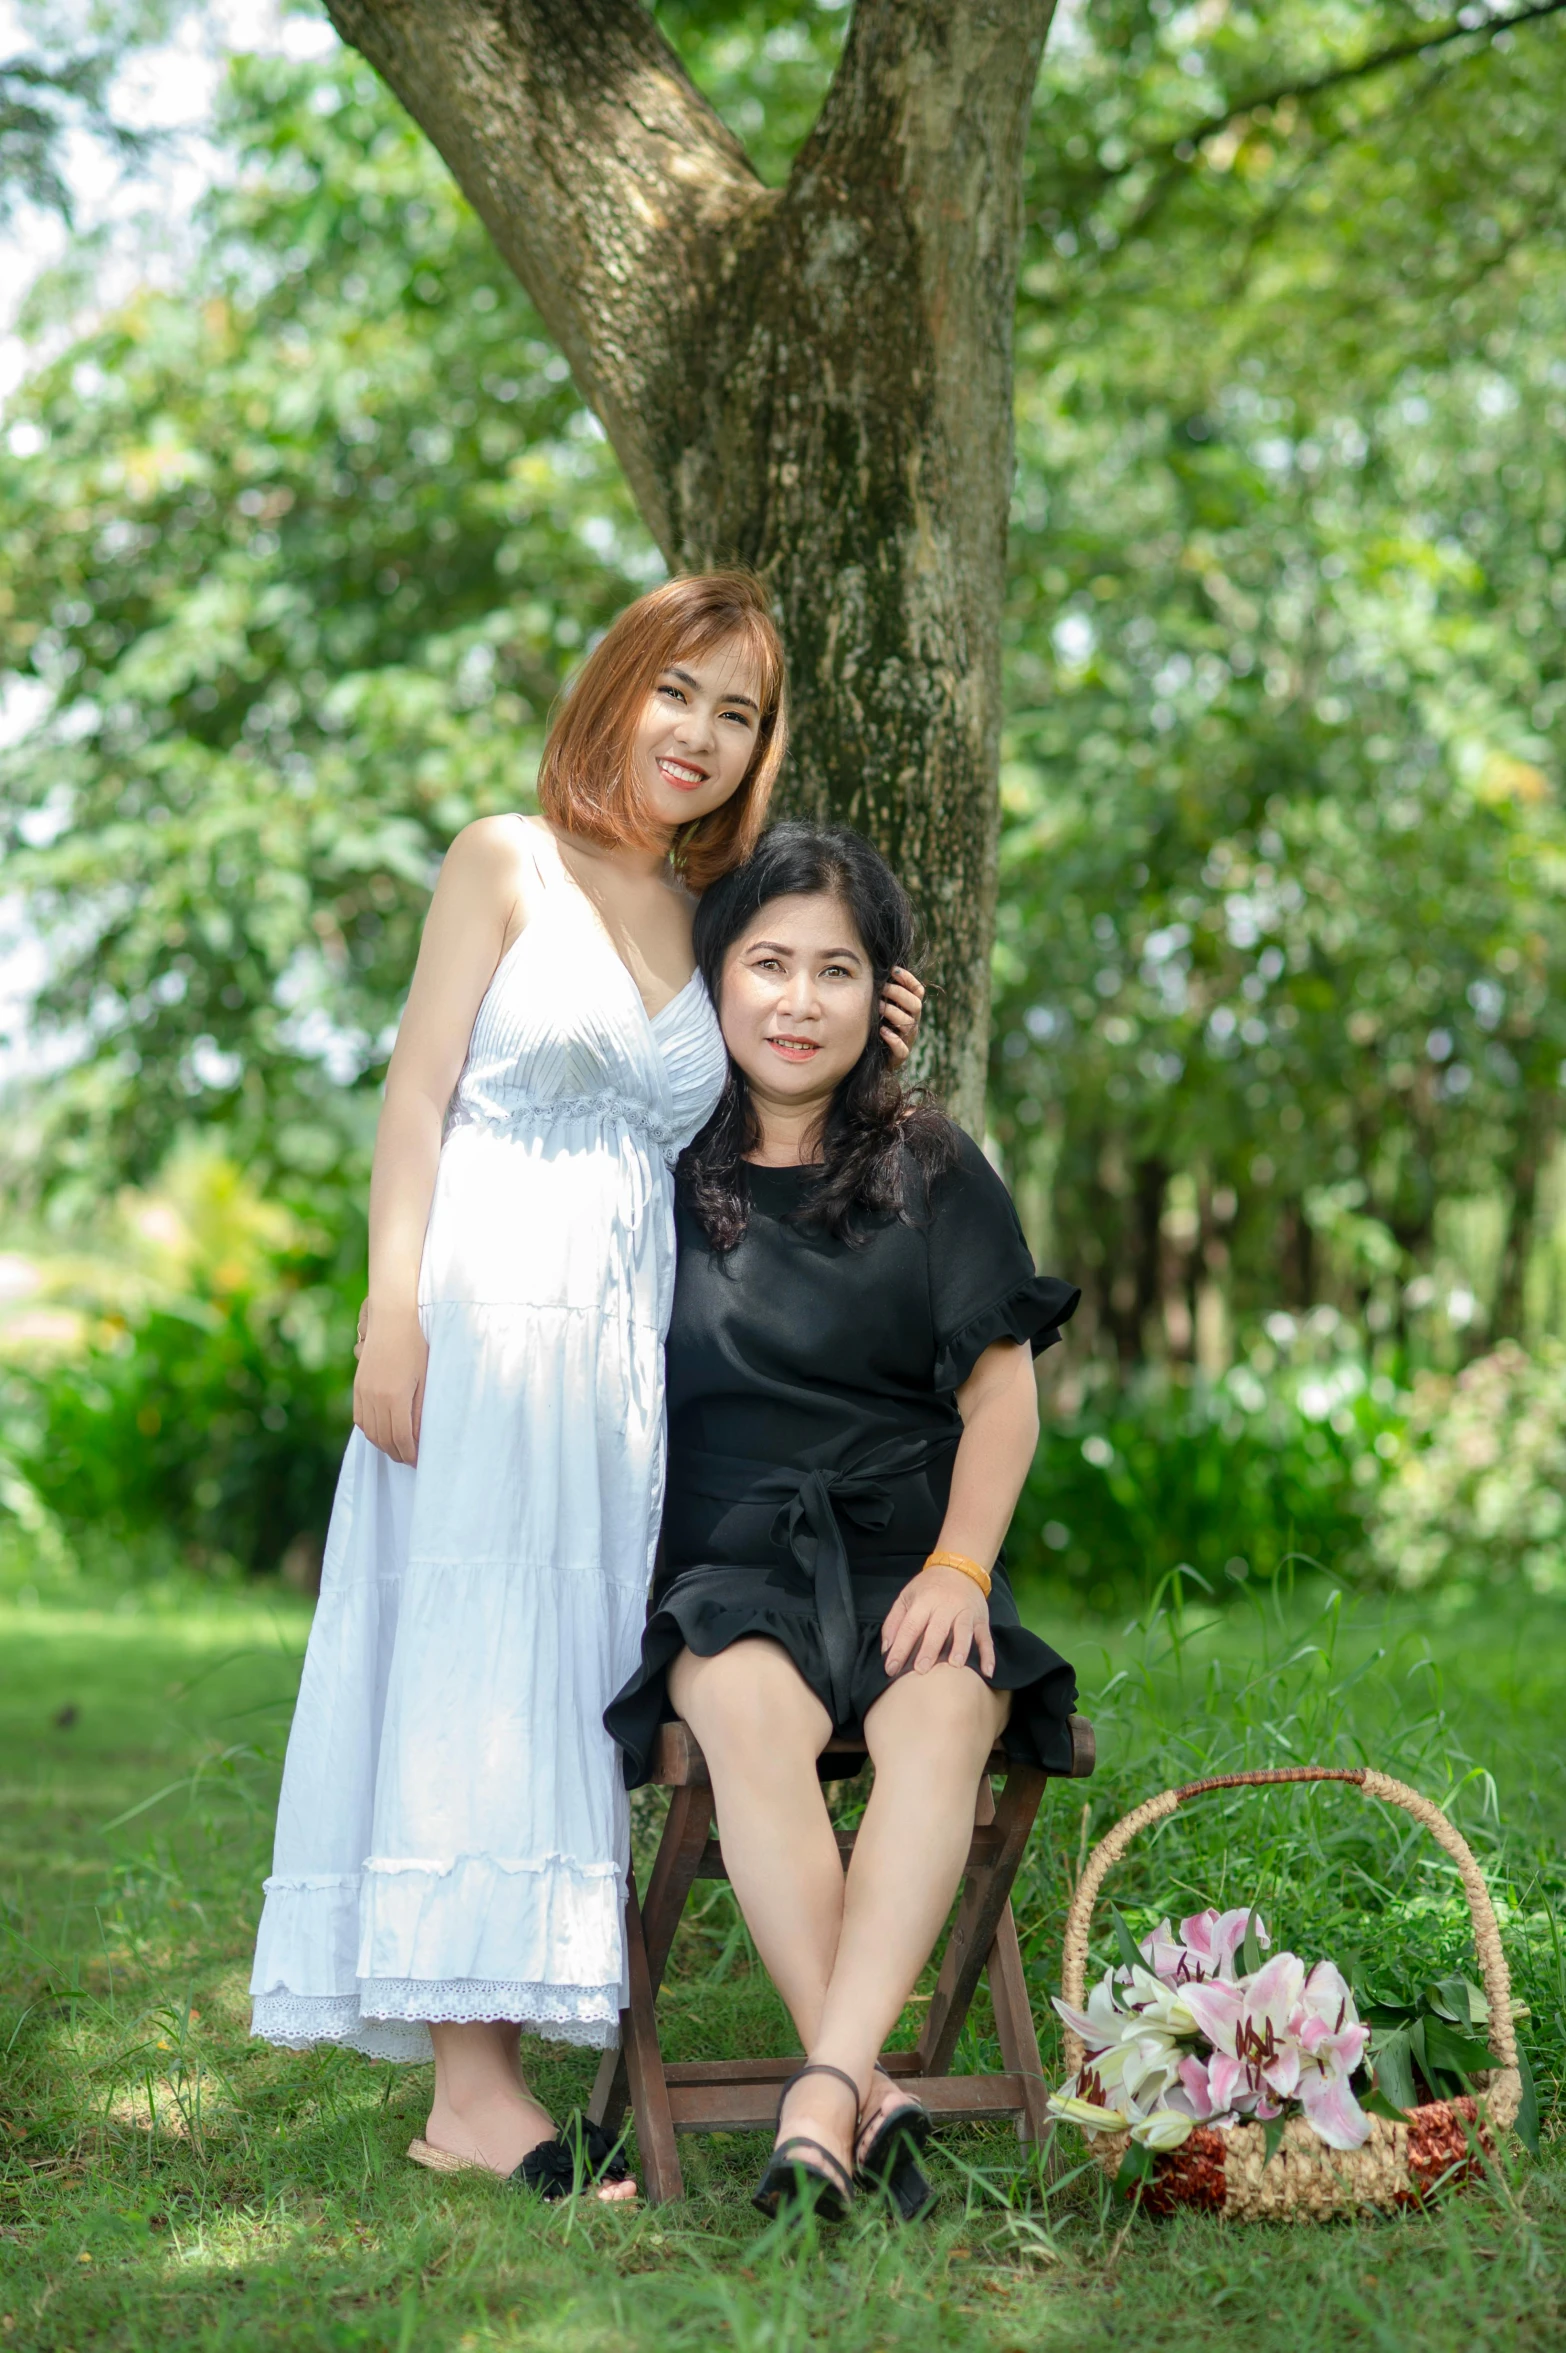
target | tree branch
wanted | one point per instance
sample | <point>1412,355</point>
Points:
<point>908,193</point>
<point>929,107</point>
<point>608,183</point>
<point>1182,149</point>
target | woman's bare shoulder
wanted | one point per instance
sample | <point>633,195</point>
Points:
<point>491,863</point>
<point>496,844</point>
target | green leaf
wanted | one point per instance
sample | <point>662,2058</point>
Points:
<point>1394,2072</point>
<point>1272,2137</point>
<point>1130,1951</point>
<point>1457,2054</point>
<point>1452,1998</point>
<point>1136,2167</point>
<point>1416,2044</point>
<point>1250,1950</point>
<point>1528,2113</point>
<point>1375,2103</point>
<point>1392,1994</point>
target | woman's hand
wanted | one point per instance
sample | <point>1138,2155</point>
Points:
<point>901,1007</point>
<point>388,1389</point>
<point>940,1614</point>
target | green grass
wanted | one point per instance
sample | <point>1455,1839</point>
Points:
<point>166,2184</point>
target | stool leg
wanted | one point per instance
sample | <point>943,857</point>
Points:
<point>660,2162</point>
<point>1014,2029</point>
<point>680,1851</point>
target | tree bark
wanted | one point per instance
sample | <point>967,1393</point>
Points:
<point>815,380</point>
<point>1529,1151</point>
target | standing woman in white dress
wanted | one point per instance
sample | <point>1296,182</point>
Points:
<point>452,1835</point>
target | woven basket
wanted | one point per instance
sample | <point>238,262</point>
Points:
<point>1226,2171</point>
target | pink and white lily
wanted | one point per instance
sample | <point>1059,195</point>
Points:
<point>1143,2004</point>
<point>1281,2034</point>
<point>1090,2115</point>
<point>1134,2053</point>
<point>1165,2129</point>
<point>1205,1947</point>
<point>1254,2063</point>
<point>1331,2044</point>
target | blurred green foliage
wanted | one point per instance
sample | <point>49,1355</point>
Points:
<point>1225,1479</point>
<point>1279,1017</point>
<point>299,558</point>
<point>181,1384</point>
<point>1479,1496</point>
<point>295,557</point>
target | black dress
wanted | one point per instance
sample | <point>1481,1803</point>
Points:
<point>812,1426</point>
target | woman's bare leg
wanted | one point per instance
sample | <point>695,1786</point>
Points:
<point>482,2107</point>
<point>761,1729</point>
<point>928,1736</point>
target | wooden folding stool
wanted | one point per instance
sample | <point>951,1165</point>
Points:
<point>740,2095</point>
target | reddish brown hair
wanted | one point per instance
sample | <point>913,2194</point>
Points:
<point>586,780</point>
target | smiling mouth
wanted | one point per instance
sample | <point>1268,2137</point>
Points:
<point>794,1049</point>
<point>681,774</point>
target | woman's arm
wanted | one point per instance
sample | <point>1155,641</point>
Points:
<point>941,1613</point>
<point>476,904</point>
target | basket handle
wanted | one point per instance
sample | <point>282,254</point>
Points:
<point>1487,1934</point>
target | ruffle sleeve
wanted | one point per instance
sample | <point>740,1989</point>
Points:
<point>1032,1313</point>
<point>983,1283</point>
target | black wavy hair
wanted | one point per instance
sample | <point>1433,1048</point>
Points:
<point>873,1122</point>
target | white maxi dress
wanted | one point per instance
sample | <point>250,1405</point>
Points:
<point>453,1836</point>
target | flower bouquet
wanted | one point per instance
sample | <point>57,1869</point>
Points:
<point>1196,2028</point>
<point>1207,2070</point>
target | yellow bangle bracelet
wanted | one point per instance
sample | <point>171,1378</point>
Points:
<point>964,1567</point>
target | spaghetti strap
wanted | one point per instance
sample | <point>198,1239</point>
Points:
<point>530,830</point>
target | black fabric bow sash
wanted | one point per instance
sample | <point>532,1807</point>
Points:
<point>807,1525</point>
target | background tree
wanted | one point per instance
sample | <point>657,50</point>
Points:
<point>815,380</point>
<point>60,88</point>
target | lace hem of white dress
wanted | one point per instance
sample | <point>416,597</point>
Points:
<point>299,2021</point>
<point>389,2018</point>
<point>456,2000</point>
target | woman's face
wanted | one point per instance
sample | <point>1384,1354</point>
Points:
<point>697,733</point>
<point>797,998</point>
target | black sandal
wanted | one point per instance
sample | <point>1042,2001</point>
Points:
<point>580,2155</point>
<point>891,2162</point>
<point>789,2183</point>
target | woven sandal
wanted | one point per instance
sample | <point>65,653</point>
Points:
<point>890,2164</point>
<point>580,2155</point>
<point>792,2184</point>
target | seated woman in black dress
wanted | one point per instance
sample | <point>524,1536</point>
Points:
<point>852,1412</point>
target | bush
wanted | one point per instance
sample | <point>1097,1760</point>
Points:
<point>1230,1477</point>
<point>1479,1497</point>
<point>188,1375</point>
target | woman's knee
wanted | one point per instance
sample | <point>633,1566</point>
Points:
<point>950,1709</point>
<point>749,1700</point>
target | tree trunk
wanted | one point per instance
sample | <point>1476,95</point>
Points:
<point>1527,1164</point>
<point>814,380</point>
<point>1133,1257</point>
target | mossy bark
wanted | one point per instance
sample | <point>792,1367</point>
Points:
<point>815,380</point>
